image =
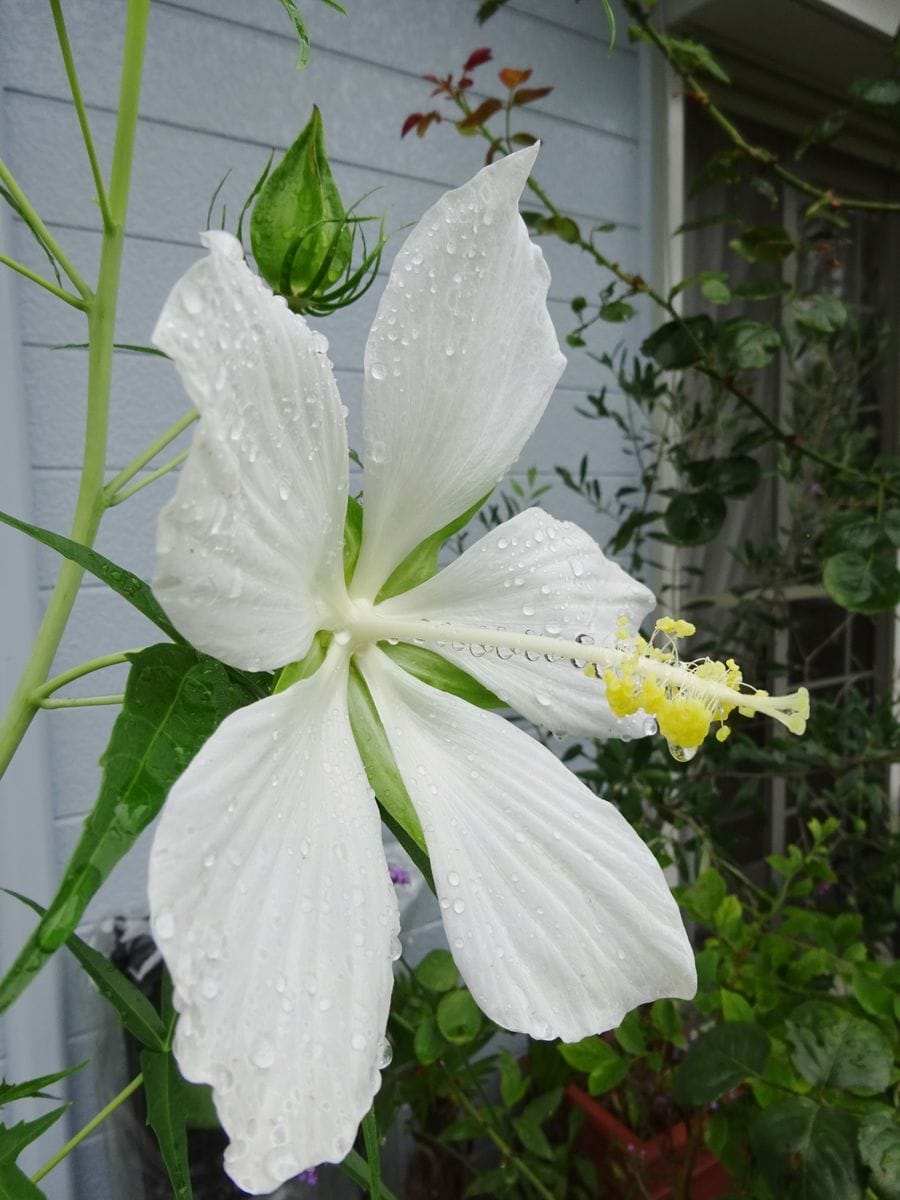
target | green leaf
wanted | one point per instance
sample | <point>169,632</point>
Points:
<point>589,1054</point>
<point>630,1034</point>
<point>428,1043</point>
<point>34,1087</point>
<point>807,1152</point>
<point>666,1020</point>
<point>693,518</point>
<point>381,771</point>
<point>513,1084</point>
<point>528,1125</point>
<point>862,583</point>
<point>290,7</point>
<point>422,562</point>
<point>747,344</point>
<point>458,1017</point>
<point>679,344</point>
<point>836,1049</point>
<point>437,972</point>
<point>714,287</point>
<point>879,1148</point>
<point>607,1076</point>
<point>719,1060</point>
<point>128,586</point>
<point>855,530</point>
<point>885,93</point>
<point>299,230</point>
<point>822,313</point>
<point>891,524</point>
<point>763,244</point>
<point>436,671</point>
<point>164,1092</point>
<point>737,475</point>
<point>616,311</point>
<point>356,1168</point>
<point>734,1006</point>
<point>704,896</point>
<point>15,1184</point>
<point>14,1139</point>
<point>762,288</point>
<point>174,699</point>
<point>135,1011</point>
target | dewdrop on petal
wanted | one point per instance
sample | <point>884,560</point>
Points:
<point>687,698</point>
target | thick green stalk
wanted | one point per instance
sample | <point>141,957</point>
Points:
<point>101,312</point>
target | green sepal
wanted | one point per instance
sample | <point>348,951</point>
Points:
<point>437,672</point>
<point>308,665</point>
<point>422,562</point>
<point>397,810</point>
<point>353,524</point>
<point>299,220</point>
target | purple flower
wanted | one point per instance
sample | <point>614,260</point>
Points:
<point>308,1176</point>
<point>399,875</point>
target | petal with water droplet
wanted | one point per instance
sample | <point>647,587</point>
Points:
<point>552,597</point>
<point>567,922</point>
<point>249,549</point>
<point>441,428</point>
<point>282,978</point>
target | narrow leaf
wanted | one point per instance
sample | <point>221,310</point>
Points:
<point>34,1087</point>
<point>14,1139</point>
<point>123,582</point>
<point>163,1090</point>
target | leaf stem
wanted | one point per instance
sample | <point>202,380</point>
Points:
<point>88,1129</point>
<point>514,1160</point>
<point>82,702</point>
<point>85,668</point>
<point>149,454</point>
<point>373,1156</point>
<point>65,49</point>
<point>59,292</point>
<point>118,497</point>
<point>101,310</point>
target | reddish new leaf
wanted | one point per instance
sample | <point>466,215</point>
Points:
<point>410,123</point>
<point>426,120</point>
<point>527,95</point>
<point>479,115</point>
<point>511,78</point>
<point>477,58</point>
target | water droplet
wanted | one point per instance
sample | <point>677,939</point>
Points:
<point>324,1003</point>
<point>378,452</point>
<point>284,489</point>
<point>282,1165</point>
<point>396,949</point>
<point>682,753</point>
<point>502,543</point>
<point>342,636</point>
<point>209,859</point>
<point>528,610</point>
<point>262,1054</point>
<point>453,878</point>
<point>459,906</point>
<point>650,727</point>
<point>191,299</point>
<point>358,1041</point>
<point>385,1054</point>
<point>477,650</point>
<point>378,370</point>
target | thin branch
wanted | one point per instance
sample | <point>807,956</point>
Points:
<point>66,52</point>
<point>29,215</point>
<point>59,292</point>
<point>149,454</point>
<point>85,668</point>
<point>118,497</point>
<point>88,1129</point>
<point>82,702</point>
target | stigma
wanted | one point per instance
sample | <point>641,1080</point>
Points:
<point>688,699</point>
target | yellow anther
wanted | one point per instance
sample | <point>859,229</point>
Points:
<point>687,698</point>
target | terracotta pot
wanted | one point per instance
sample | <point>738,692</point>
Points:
<point>620,1156</point>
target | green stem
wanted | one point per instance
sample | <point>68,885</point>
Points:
<point>65,48</point>
<point>101,308</point>
<point>373,1156</point>
<point>59,292</point>
<point>118,497</point>
<point>150,453</point>
<point>82,702</point>
<point>88,1129</point>
<point>28,213</point>
<point>85,668</point>
<point>509,1154</point>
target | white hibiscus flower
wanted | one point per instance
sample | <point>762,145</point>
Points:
<point>270,895</point>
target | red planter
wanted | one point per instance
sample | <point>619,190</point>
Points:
<point>620,1155</point>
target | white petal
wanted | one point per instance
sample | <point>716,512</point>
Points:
<point>272,904</point>
<point>250,546</point>
<point>460,363</point>
<point>557,914</point>
<point>536,573</point>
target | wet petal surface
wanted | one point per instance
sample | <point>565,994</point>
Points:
<point>272,904</point>
<point>460,363</point>
<point>557,914</point>
<point>249,548</point>
<point>537,574</point>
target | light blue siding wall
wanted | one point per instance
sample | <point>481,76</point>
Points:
<point>220,91</point>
